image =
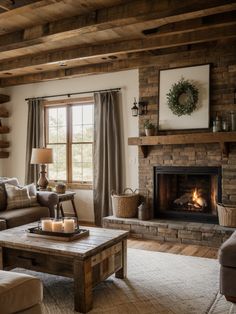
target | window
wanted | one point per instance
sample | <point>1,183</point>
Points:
<point>69,132</point>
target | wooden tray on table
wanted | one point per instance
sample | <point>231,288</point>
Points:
<point>61,236</point>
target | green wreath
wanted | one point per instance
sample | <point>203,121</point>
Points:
<point>180,108</point>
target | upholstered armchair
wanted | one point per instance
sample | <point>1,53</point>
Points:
<point>20,293</point>
<point>227,259</point>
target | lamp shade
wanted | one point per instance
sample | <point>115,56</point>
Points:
<point>42,156</point>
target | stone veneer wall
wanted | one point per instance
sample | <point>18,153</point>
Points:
<point>222,85</point>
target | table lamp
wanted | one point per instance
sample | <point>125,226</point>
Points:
<point>42,156</point>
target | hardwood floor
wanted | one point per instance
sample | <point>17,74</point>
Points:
<point>175,248</point>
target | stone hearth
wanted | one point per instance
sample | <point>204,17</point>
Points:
<point>172,231</point>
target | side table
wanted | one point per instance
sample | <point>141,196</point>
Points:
<point>67,196</point>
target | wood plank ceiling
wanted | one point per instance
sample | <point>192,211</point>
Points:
<point>52,39</point>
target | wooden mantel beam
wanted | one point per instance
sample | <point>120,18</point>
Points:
<point>223,138</point>
<point>132,12</point>
<point>127,46</point>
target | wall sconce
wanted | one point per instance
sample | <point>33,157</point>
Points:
<point>139,108</point>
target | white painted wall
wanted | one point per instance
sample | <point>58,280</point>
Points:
<point>15,164</point>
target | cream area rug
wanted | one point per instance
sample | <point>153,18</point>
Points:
<point>157,283</point>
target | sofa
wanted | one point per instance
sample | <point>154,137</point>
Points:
<point>20,216</point>
<point>227,259</point>
<point>20,293</point>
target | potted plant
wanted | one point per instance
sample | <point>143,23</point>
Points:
<point>149,128</point>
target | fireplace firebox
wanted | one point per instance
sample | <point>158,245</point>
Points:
<point>187,193</point>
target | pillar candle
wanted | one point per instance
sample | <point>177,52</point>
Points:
<point>57,226</point>
<point>69,225</point>
<point>46,225</point>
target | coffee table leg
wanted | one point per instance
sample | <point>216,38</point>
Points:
<point>83,285</point>
<point>122,273</point>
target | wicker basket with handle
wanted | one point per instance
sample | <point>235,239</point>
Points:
<point>125,205</point>
<point>227,215</point>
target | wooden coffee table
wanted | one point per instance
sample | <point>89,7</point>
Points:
<point>88,260</point>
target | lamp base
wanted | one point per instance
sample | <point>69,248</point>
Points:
<point>43,180</point>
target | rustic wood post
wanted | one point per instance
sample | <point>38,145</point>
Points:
<point>83,285</point>
<point>122,272</point>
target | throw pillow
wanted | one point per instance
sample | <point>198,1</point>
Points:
<point>32,194</point>
<point>17,197</point>
<point>3,194</point>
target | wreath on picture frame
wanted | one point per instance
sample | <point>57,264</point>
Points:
<point>186,107</point>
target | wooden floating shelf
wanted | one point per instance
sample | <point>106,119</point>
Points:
<point>4,113</point>
<point>4,129</point>
<point>4,154</point>
<point>4,144</point>
<point>4,98</point>
<point>223,138</point>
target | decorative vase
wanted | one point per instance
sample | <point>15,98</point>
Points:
<point>143,212</point>
<point>150,132</point>
<point>60,188</point>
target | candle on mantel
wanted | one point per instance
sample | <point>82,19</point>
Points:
<point>46,224</point>
<point>57,226</point>
<point>69,225</point>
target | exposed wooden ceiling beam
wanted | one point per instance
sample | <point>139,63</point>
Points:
<point>161,12</point>
<point>141,60</point>
<point>6,5</point>
<point>22,6</point>
<point>13,4</point>
<point>160,41</point>
<point>216,20</point>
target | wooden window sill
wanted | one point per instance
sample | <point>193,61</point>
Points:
<point>74,185</point>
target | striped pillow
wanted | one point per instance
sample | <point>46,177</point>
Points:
<point>17,197</point>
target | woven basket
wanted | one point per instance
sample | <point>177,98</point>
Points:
<point>227,215</point>
<point>125,205</point>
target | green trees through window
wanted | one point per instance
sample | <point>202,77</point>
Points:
<point>69,132</point>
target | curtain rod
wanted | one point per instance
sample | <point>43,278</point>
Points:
<point>78,93</point>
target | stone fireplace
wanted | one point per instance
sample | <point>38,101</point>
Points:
<point>182,222</point>
<point>187,193</point>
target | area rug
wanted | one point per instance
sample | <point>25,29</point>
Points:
<point>157,283</point>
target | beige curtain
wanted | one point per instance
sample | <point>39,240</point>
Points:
<point>34,137</point>
<point>107,152</point>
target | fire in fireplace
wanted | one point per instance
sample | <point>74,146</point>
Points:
<point>191,201</point>
<point>187,193</point>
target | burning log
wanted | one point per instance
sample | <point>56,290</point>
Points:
<point>191,201</point>
<point>184,199</point>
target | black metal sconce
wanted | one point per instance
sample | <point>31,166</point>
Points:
<point>139,108</point>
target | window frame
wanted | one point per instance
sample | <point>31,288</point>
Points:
<point>68,104</point>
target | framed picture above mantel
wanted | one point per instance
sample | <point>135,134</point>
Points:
<point>184,95</point>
